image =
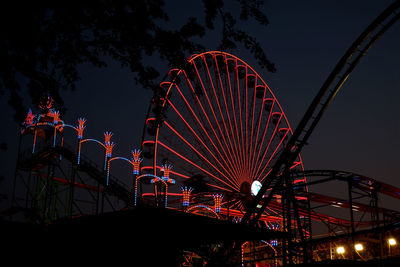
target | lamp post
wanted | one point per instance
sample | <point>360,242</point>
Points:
<point>340,251</point>
<point>391,242</point>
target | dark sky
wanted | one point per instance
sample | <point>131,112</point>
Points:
<point>305,39</point>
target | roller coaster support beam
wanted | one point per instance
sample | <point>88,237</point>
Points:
<point>319,105</point>
<point>350,187</point>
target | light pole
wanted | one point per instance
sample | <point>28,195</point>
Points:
<point>391,242</point>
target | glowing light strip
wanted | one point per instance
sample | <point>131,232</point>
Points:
<point>246,141</point>
<point>109,162</point>
<point>248,66</point>
<point>173,172</point>
<point>194,149</point>
<point>262,81</point>
<point>136,185</point>
<point>280,143</point>
<point>262,142</point>
<point>267,148</point>
<point>87,140</point>
<point>191,129</point>
<point>252,122</point>
<point>199,122</point>
<point>223,119</point>
<point>235,145</point>
<point>234,117</point>
<point>186,159</point>
<point>240,114</point>
<point>204,207</point>
<point>226,156</point>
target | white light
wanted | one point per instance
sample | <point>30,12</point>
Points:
<point>340,250</point>
<point>255,187</point>
<point>392,241</point>
<point>359,247</point>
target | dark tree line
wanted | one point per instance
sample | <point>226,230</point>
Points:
<point>43,43</point>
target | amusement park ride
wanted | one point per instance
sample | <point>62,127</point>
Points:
<point>216,143</point>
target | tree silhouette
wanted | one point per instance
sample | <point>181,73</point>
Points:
<point>42,44</point>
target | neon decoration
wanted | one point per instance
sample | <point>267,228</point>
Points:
<point>81,126</point>
<point>56,116</point>
<point>109,145</point>
<point>197,207</point>
<point>217,202</point>
<point>46,103</point>
<point>136,160</point>
<point>243,248</point>
<point>29,118</point>
<point>186,191</point>
<point>156,180</point>
<point>136,184</point>
<point>220,120</point>
<point>166,168</point>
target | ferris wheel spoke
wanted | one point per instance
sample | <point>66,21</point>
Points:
<point>241,137</point>
<point>261,143</point>
<point>208,119</point>
<point>260,163</point>
<point>259,120</point>
<point>198,152</point>
<point>228,87</point>
<point>232,102</point>
<point>199,123</point>
<point>232,186</point>
<point>210,105</point>
<point>222,128</point>
<point>252,124</point>
<point>272,155</point>
<point>246,92</point>
<point>217,100</point>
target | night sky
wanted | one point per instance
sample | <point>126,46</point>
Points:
<point>305,39</point>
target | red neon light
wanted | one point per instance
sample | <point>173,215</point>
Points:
<point>194,164</point>
<point>267,148</point>
<point>252,122</point>
<point>29,118</point>
<point>235,145</point>
<point>166,168</point>
<point>219,107</point>
<point>217,202</point>
<point>136,160</point>
<point>109,145</point>
<point>81,126</point>
<point>55,114</point>
<point>186,191</point>
<point>273,155</point>
<point>198,121</point>
<point>261,145</point>
<point>207,118</point>
<point>46,103</point>
<point>201,155</point>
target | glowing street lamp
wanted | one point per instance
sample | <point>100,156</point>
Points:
<point>358,247</point>
<point>391,242</point>
<point>340,250</point>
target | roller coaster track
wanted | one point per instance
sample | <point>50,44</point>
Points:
<point>324,97</point>
<point>42,158</point>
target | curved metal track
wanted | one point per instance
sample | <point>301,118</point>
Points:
<point>326,94</point>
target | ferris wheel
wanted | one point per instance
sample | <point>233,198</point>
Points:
<point>215,127</point>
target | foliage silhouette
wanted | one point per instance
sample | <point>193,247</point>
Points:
<point>42,44</point>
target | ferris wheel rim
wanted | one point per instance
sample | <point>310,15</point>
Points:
<point>172,84</point>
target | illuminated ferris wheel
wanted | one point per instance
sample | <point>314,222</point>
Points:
<point>214,127</point>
